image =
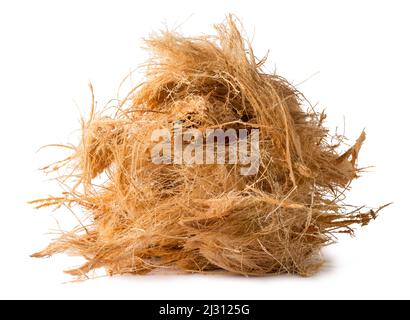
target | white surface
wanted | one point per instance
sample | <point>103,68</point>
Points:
<point>49,50</point>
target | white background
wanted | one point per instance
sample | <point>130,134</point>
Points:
<point>355,55</point>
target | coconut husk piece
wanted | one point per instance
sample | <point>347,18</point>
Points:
<point>206,218</point>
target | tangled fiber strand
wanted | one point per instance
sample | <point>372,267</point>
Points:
<point>202,218</point>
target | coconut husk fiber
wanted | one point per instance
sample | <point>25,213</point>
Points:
<point>143,216</point>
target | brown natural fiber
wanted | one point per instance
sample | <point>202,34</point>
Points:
<point>202,218</point>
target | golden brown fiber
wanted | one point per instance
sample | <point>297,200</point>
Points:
<point>209,217</point>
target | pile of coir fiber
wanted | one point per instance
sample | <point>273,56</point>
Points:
<point>209,217</point>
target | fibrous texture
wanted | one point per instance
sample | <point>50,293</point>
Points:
<point>207,217</point>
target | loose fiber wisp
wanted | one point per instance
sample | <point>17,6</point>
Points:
<point>207,217</point>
